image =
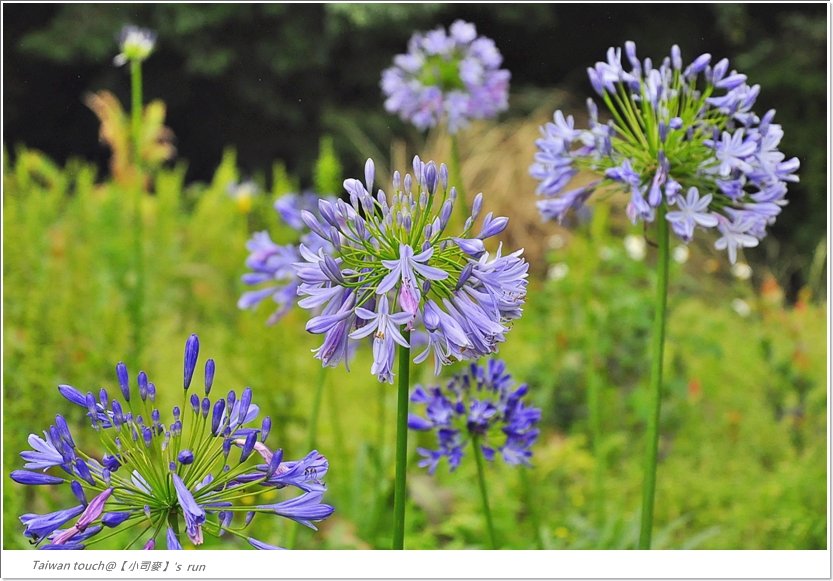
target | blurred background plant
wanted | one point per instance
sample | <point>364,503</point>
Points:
<point>272,79</point>
<point>745,414</point>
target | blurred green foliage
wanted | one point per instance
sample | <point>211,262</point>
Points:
<point>743,450</point>
<point>271,79</point>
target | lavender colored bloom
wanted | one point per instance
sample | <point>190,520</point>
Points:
<point>148,475</point>
<point>271,264</point>
<point>72,394</point>
<point>35,478</point>
<point>38,526</point>
<point>185,457</point>
<point>262,546</point>
<point>172,540</point>
<point>735,234</point>
<point>450,77</point>
<point>124,381</point>
<point>693,211</point>
<point>209,375</point>
<point>480,403</point>
<point>394,268</point>
<point>694,130</point>
<point>306,474</point>
<point>387,333</point>
<point>304,509</point>
<point>193,512</point>
<point>44,454</point>
<point>114,519</point>
<point>91,512</point>
<point>404,270</point>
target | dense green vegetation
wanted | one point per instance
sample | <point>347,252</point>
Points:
<point>743,453</point>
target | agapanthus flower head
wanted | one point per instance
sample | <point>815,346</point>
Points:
<point>481,403</point>
<point>272,264</point>
<point>393,267</point>
<point>186,476</point>
<point>682,139</point>
<point>135,43</point>
<point>452,76</point>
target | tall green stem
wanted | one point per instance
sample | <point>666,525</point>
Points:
<point>457,177</point>
<point>532,510</point>
<point>594,408</point>
<point>136,108</point>
<point>292,537</point>
<point>484,494</point>
<point>379,458</point>
<point>137,300</point>
<point>657,348</point>
<point>399,488</point>
<point>316,408</point>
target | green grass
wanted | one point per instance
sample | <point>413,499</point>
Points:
<point>743,433</point>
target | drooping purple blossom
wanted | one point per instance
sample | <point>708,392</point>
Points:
<point>450,77</point>
<point>271,264</point>
<point>673,128</point>
<point>150,474</point>
<point>480,403</point>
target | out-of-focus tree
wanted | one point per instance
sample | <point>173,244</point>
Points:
<point>272,79</point>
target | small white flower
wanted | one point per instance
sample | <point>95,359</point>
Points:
<point>635,246</point>
<point>135,43</point>
<point>556,242</point>
<point>680,254</point>
<point>558,271</point>
<point>742,271</point>
<point>741,307</point>
<point>243,193</point>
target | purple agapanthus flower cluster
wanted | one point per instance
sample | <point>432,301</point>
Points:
<point>192,474</point>
<point>452,76</point>
<point>682,138</point>
<point>393,267</point>
<point>272,264</point>
<point>480,403</point>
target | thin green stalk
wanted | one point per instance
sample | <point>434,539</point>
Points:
<point>481,478</point>
<point>137,300</point>
<point>657,348</point>
<point>316,408</point>
<point>335,424</point>
<point>531,509</point>
<point>378,494</point>
<point>594,408</point>
<point>399,487</point>
<point>457,178</point>
<point>136,107</point>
